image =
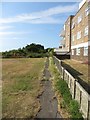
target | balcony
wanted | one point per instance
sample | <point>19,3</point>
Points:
<point>60,50</point>
<point>62,42</point>
<point>62,34</point>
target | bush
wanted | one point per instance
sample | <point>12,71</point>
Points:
<point>29,51</point>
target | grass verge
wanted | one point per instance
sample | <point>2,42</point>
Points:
<point>68,107</point>
<point>77,69</point>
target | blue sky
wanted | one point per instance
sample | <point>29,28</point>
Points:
<point>24,23</point>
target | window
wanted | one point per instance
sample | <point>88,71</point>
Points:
<point>79,35</point>
<point>86,51</point>
<point>79,19</point>
<point>87,11</point>
<point>72,52</point>
<point>72,37</point>
<point>86,31</point>
<point>77,51</point>
<point>73,25</point>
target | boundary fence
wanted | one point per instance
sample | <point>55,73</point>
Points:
<point>77,91</point>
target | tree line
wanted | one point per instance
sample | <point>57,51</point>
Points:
<point>29,51</point>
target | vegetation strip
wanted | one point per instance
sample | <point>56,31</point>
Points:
<point>61,86</point>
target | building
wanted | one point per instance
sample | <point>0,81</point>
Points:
<point>76,35</point>
<point>80,33</point>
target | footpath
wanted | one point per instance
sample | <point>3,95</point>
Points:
<point>48,101</point>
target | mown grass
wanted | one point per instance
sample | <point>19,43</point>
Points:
<point>21,86</point>
<point>71,106</point>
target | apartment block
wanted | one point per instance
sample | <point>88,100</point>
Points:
<point>76,33</point>
<point>80,33</point>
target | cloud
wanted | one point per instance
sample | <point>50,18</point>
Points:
<point>45,16</point>
<point>13,38</point>
<point>47,20</point>
<point>5,27</point>
<point>4,34</point>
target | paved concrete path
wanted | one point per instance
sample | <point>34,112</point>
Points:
<point>48,101</point>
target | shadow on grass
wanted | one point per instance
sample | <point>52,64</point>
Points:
<point>77,75</point>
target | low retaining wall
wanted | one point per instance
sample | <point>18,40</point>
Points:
<point>77,91</point>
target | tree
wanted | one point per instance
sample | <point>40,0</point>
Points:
<point>32,50</point>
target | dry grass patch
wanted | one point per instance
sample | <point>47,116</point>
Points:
<point>21,86</point>
<point>78,69</point>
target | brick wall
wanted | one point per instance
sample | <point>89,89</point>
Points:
<point>80,57</point>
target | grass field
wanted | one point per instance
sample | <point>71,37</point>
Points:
<point>21,86</point>
<point>78,69</point>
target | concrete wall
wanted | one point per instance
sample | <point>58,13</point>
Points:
<point>76,90</point>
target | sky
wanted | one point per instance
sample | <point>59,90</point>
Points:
<point>23,23</point>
